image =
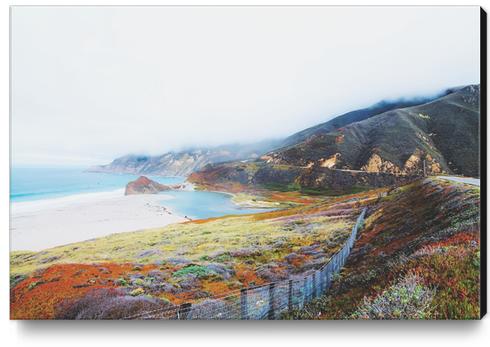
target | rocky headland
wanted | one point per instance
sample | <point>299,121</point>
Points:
<point>144,185</point>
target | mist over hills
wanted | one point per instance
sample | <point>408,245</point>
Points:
<point>184,162</point>
<point>396,137</point>
<point>359,115</point>
<point>438,137</point>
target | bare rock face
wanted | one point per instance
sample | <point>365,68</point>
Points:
<point>376,164</point>
<point>144,185</point>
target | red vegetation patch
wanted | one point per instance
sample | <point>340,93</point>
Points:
<point>217,288</point>
<point>180,298</point>
<point>275,214</point>
<point>247,275</point>
<point>37,296</point>
<point>299,260</point>
<point>339,139</point>
<point>290,197</point>
<point>461,238</point>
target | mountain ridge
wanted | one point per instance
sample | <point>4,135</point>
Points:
<point>340,143</point>
<point>184,162</point>
<point>391,148</point>
<point>361,114</point>
<point>443,133</point>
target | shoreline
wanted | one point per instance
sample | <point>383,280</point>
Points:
<point>50,202</point>
<point>40,224</point>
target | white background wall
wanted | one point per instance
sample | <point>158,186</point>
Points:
<point>214,334</point>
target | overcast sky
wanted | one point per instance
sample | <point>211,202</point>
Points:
<point>91,84</point>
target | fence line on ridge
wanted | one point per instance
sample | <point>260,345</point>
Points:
<point>267,301</point>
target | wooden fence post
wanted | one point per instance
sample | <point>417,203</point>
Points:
<point>328,270</point>
<point>315,294</point>
<point>305,290</point>
<point>290,295</point>
<point>272,313</point>
<point>244,303</point>
<point>184,311</point>
<point>324,280</point>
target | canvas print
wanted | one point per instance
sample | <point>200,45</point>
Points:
<point>246,163</point>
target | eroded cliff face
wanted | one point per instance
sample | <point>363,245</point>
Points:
<point>258,175</point>
<point>414,165</point>
<point>377,164</point>
<point>344,180</point>
<point>330,162</point>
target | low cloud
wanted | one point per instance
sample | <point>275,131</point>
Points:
<point>93,83</point>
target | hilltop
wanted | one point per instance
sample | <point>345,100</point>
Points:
<point>394,147</point>
<point>443,133</point>
<point>357,116</point>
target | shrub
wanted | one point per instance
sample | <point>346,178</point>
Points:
<point>34,285</point>
<point>121,282</point>
<point>16,279</point>
<point>137,291</point>
<point>407,299</point>
<point>107,304</point>
<point>198,270</point>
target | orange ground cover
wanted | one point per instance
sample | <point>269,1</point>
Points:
<point>37,296</point>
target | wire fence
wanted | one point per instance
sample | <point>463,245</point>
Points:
<point>267,301</point>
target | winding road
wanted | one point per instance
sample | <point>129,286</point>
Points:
<point>467,180</point>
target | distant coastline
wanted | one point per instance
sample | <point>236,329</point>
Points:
<point>68,205</point>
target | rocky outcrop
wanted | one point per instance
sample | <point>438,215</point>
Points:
<point>377,164</point>
<point>331,162</point>
<point>416,164</point>
<point>344,180</point>
<point>144,185</point>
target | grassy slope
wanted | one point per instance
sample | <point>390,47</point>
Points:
<point>186,262</point>
<point>351,117</point>
<point>426,231</point>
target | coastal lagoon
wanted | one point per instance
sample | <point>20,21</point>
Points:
<point>55,206</point>
<point>47,184</point>
<point>197,204</point>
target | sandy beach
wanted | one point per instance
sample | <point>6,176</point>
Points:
<point>37,225</point>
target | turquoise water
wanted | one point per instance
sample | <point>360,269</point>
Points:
<point>28,184</point>
<point>199,204</point>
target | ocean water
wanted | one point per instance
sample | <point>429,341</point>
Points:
<point>28,184</point>
<point>37,184</point>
